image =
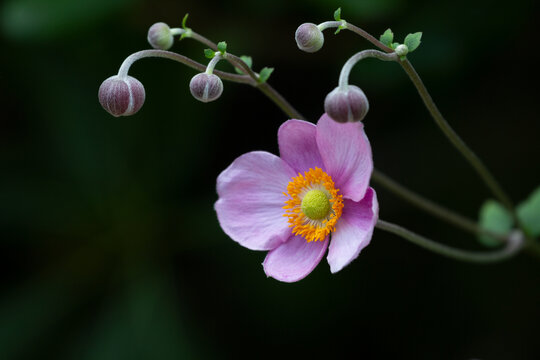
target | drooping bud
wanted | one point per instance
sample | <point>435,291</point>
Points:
<point>346,105</point>
<point>160,36</point>
<point>206,87</point>
<point>121,96</point>
<point>309,38</point>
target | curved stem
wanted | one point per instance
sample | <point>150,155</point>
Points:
<point>445,127</point>
<point>124,68</point>
<point>212,64</point>
<point>429,206</point>
<point>265,88</point>
<point>280,101</point>
<point>331,24</point>
<point>368,37</point>
<point>241,65</point>
<point>454,138</point>
<point>513,245</point>
<point>198,37</point>
<point>353,60</point>
<point>177,31</point>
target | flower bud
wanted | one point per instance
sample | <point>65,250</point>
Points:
<point>206,87</point>
<point>402,50</point>
<point>121,96</point>
<point>309,38</point>
<point>346,105</point>
<point>160,36</point>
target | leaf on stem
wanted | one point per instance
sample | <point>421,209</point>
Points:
<point>184,21</point>
<point>222,47</point>
<point>413,41</point>
<point>209,53</point>
<point>249,62</point>
<point>387,37</point>
<point>337,14</point>
<point>265,74</point>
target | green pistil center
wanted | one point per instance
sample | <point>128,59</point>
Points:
<point>315,205</point>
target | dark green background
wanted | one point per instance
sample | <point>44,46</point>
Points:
<point>110,247</point>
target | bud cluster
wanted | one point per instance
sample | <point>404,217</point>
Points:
<point>123,95</point>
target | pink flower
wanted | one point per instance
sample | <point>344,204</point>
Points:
<point>291,205</point>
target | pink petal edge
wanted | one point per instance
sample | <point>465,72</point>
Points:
<point>353,230</point>
<point>346,154</point>
<point>297,141</point>
<point>251,200</point>
<point>295,259</point>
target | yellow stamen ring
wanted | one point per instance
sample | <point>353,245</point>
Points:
<point>314,205</point>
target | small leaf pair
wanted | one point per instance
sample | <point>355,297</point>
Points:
<point>412,41</point>
<point>497,219</point>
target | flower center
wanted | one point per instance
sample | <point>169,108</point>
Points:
<point>314,205</point>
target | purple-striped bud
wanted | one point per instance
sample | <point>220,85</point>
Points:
<point>309,38</point>
<point>160,36</point>
<point>121,96</point>
<point>206,87</point>
<point>346,105</point>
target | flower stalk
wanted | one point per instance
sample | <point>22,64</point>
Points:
<point>445,127</point>
<point>124,68</point>
<point>489,180</point>
<point>353,60</point>
<point>513,245</point>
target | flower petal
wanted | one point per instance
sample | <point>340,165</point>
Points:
<point>353,230</point>
<point>295,259</point>
<point>251,200</point>
<point>346,154</point>
<point>298,145</point>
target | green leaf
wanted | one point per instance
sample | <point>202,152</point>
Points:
<point>394,45</point>
<point>387,37</point>
<point>495,218</point>
<point>184,21</point>
<point>247,60</point>
<point>222,47</point>
<point>340,27</point>
<point>209,53</point>
<point>413,41</point>
<point>337,14</point>
<point>403,57</point>
<point>529,213</point>
<point>265,74</point>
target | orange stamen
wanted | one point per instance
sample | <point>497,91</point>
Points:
<point>312,229</point>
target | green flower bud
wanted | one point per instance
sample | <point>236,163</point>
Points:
<point>160,36</point>
<point>402,50</point>
<point>309,38</point>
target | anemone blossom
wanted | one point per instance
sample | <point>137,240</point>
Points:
<point>314,196</point>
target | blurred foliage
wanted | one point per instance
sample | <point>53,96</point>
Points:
<point>495,218</point>
<point>43,20</point>
<point>529,213</point>
<point>110,248</point>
